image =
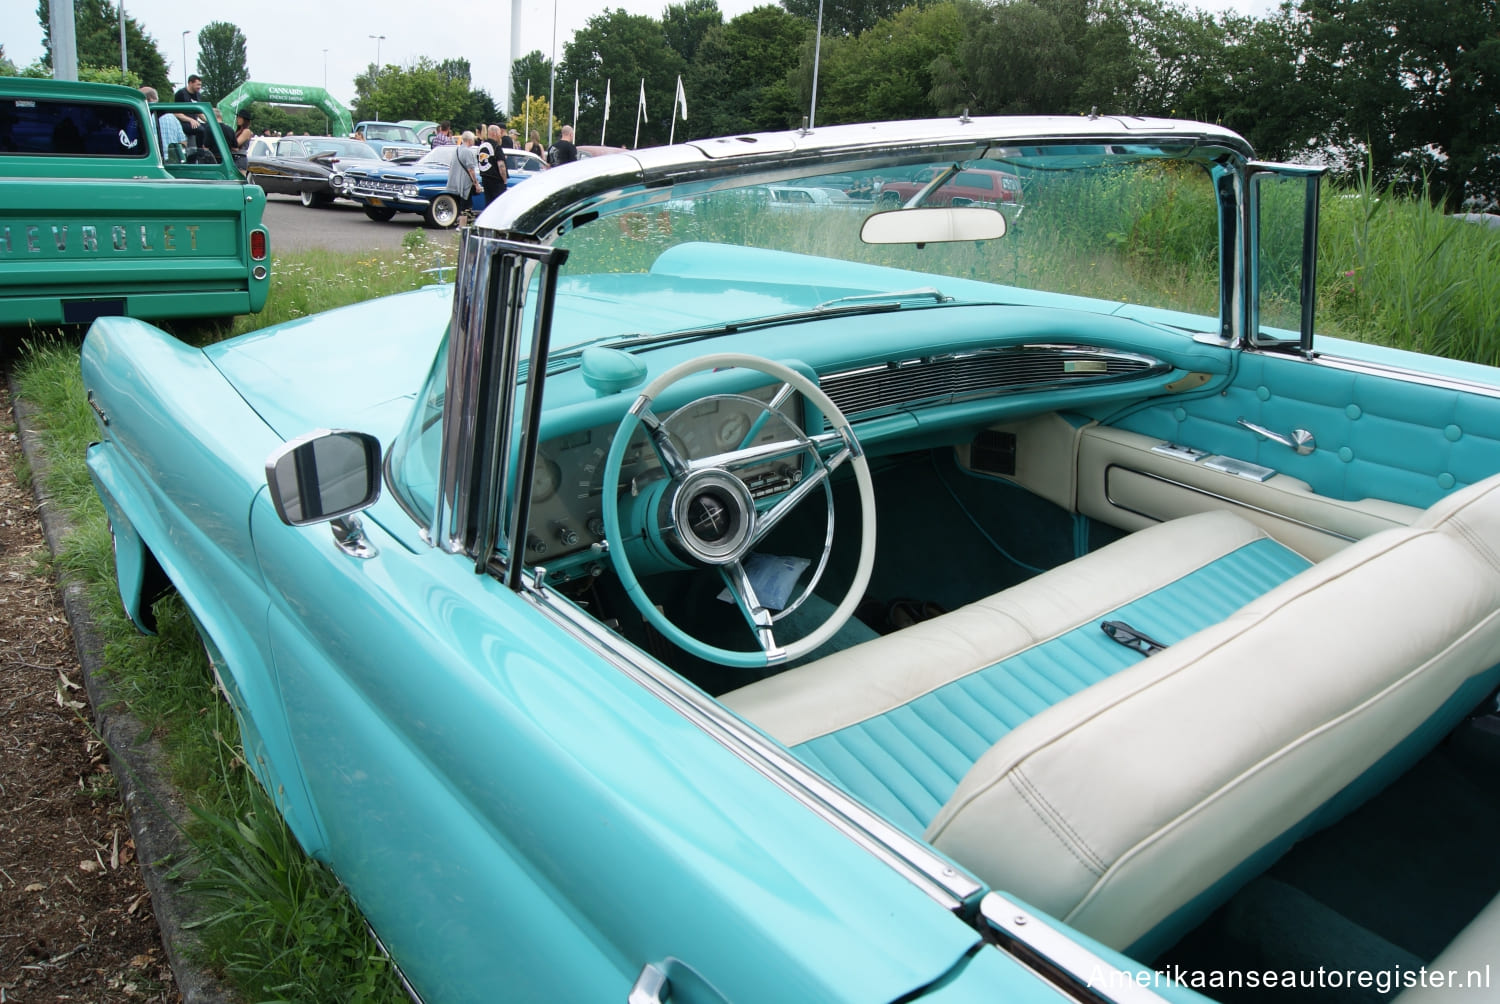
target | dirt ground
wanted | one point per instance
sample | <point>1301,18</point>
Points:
<point>75,918</point>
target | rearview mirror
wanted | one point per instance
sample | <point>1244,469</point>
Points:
<point>324,475</point>
<point>933,225</point>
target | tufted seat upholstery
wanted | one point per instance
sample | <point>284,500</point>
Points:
<point>1121,793</point>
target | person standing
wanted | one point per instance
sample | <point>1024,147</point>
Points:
<point>534,144</point>
<point>463,176</point>
<point>563,151</point>
<point>492,170</point>
<point>443,136</point>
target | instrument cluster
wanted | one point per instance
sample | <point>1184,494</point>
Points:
<point>567,512</point>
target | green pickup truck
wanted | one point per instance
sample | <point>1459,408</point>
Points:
<point>99,217</point>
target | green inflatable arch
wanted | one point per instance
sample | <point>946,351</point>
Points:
<point>341,122</point>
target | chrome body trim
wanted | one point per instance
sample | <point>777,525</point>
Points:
<point>940,880</point>
<point>1074,969</point>
<point>1393,372</point>
<point>951,378</point>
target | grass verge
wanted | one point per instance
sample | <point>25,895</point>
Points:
<point>276,923</point>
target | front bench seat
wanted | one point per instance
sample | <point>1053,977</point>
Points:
<point>1132,806</point>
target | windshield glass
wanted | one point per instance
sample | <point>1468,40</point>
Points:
<point>391,134</point>
<point>440,158</point>
<point>1121,231</point>
<point>345,148</point>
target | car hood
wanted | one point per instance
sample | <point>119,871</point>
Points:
<point>281,371</point>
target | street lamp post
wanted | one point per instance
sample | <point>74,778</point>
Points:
<point>185,34</point>
<point>374,77</point>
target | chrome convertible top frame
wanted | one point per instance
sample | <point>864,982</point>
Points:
<point>550,203</point>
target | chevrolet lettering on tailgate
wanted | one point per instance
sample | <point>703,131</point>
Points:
<point>88,193</point>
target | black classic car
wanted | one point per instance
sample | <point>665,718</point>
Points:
<point>307,166</point>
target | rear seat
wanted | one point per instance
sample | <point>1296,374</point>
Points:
<point>1128,795</point>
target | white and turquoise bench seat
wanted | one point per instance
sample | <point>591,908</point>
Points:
<point>1123,794</point>
<point>907,761</point>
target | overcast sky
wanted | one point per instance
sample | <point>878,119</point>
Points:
<point>286,41</point>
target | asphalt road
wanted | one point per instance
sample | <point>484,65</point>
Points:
<point>343,226</point>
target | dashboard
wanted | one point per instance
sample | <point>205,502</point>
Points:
<point>567,516</point>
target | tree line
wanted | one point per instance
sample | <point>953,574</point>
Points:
<point>1404,90</point>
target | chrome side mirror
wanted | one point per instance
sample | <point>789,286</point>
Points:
<point>323,476</point>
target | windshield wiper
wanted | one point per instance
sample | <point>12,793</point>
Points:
<point>862,303</point>
<point>899,297</point>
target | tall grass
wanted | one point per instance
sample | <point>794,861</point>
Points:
<point>275,922</point>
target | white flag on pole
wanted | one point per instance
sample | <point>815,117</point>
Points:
<point>605,126</point>
<point>679,100</point>
<point>643,100</point>
<point>575,106</point>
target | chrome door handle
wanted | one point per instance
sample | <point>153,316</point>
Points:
<point>1300,440</point>
<point>649,987</point>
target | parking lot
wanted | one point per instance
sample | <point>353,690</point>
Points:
<point>342,226</point>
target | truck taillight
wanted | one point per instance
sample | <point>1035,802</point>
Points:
<point>258,245</point>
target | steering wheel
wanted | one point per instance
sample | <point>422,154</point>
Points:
<point>704,516</point>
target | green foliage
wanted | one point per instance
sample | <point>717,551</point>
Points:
<point>886,73</point>
<point>531,74</point>
<point>843,17</point>
<point>221,60</point>
<point>97,31</point>
<point>533,117</point>
<point>425,90</point>
<point>289,120</point>
<point>621,50</point>
<point>686,24</point>
<point>1394,269</point>
<point>109,75</point>
<point>740,80</point>
<point>276,922</point>
<point>1410,83</point>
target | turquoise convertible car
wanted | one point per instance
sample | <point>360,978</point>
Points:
<point>943,603</point>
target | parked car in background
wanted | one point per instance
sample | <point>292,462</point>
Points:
<point>907,607</point>
<point>811,195</point>
<point>307,166</point>
<point>423,129</point>
<point>585,152</point>
<point>98,219</point>
<point>392,141</point>
<point>420,187</point>
<point>983,186</point>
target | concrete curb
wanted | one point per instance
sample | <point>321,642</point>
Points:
<point>155,808</point>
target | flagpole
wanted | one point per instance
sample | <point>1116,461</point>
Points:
<point>575,106</point>
<point>526,137</point>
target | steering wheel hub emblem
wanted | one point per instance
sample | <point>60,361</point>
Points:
<point>712,515</point>
<point>708,517</point>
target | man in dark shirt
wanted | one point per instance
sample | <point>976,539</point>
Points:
<point>563,151</point>
<point>492,171</point>
<point>196,126</point>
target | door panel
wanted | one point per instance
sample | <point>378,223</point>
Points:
<point>1386,445</point>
